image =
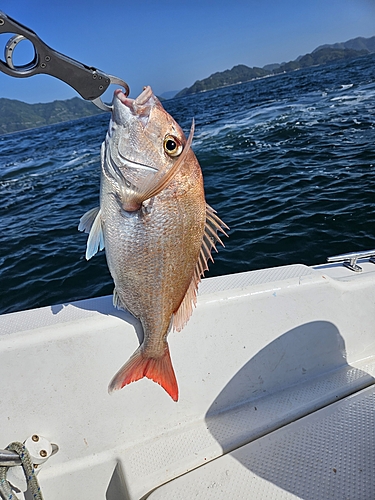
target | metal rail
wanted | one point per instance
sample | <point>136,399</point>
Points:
<point>349,260</point>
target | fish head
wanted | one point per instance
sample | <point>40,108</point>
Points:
<point>142,135</point>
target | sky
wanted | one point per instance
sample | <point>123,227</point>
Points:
<point>169,44</point>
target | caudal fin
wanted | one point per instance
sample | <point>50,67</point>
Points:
<point>160,370</point>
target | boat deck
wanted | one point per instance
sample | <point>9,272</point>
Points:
<point>327,454</point>
<point>276,373</point>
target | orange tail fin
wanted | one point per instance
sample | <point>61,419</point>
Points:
<point>160,370</point>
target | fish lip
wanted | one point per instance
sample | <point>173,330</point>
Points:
<point>141,104</point>
<point>144,96</point>
<point>119,94</point>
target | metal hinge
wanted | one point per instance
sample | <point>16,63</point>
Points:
<point>349,260</point>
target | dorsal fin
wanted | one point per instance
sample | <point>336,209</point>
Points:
<point>183,313</point>
<point>210,237</point>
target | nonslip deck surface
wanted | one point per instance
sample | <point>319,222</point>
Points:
<point>329,454</point>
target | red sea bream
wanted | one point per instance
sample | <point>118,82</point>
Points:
<point>155,225</point>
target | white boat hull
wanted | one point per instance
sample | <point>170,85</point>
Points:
<point>262,349</point>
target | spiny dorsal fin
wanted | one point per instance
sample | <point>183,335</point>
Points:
<point>183,313</point>
<point>213,225</point>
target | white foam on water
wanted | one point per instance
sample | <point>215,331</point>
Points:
<point>348,86</point>
<point>345,98</point>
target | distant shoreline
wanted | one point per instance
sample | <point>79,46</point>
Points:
<point>320,56</point>
<point>16,115</point>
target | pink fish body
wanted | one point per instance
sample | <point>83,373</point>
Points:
<point>156,227</point>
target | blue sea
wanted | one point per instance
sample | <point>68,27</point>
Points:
<point>288,163</point>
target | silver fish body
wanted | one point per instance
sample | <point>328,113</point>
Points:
<point>155,225</point>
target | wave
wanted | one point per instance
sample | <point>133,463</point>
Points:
<point>288,163</point>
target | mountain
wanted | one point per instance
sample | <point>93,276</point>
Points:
<point>238,74</point>
<point>169,94</point>
<point>316,58</point>
<point>324,54</point>
<point>358,43</point>
<point>17,115</point>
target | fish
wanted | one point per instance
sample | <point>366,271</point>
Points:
<point>156,227</point>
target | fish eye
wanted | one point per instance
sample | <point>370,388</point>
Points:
<point>172,146</point>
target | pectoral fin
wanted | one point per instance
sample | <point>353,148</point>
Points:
<point>91,223</point>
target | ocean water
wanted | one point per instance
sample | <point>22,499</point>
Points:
<point>288,163</point>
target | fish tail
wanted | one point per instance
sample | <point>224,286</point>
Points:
<point>159,370</point>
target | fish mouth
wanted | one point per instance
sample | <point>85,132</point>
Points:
<point>141,100</point>
<point>140,111</point>
<point>139,107</point>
